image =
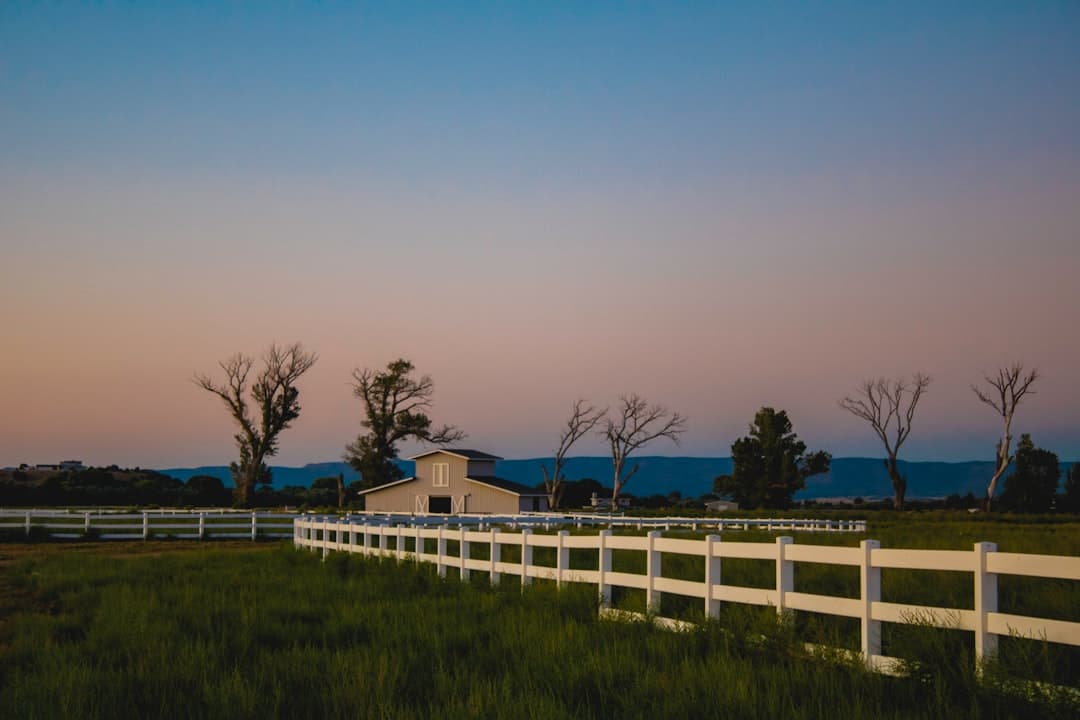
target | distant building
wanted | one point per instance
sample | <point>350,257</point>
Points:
<point>721,505</point>
<point>62,465</point>
<point>604,503</point>
<point>454,480</point>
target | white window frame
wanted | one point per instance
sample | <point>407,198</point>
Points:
<point>440,473</point>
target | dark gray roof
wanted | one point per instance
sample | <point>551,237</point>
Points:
<point>461,452</point>
<point>508,485</point>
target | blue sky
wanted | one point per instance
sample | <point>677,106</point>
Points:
<point>718,205</point>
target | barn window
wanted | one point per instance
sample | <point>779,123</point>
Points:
<point>441,472</point>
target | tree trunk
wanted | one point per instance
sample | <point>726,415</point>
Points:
<point>242,493</point>
<point>988,501</point>
<point>899,483</point>
<point>615,485</point>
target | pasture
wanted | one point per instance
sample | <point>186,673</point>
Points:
<point>255,630</point>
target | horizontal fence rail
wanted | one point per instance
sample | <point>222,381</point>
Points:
<point>145,525</point>
<point>125,524</point>
<point>983,562</point>
<point>548,521</point>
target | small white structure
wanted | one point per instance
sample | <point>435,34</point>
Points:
<point>721,505</point>
<point>604,503</point>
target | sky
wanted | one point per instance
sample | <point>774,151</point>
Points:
<point>718,206</point>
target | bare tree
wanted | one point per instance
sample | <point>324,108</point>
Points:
<point>637,423</point>
<point>881,403</point>
<point>1006,391</point>
<point>275,397</point>
<point>583,418</point>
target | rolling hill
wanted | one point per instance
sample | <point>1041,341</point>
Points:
<point>691,476</point>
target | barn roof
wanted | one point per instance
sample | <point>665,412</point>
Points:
<point>506,485</point>
<point>460,452</point>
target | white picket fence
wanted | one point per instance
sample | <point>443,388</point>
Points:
<point>105,524</point>
<point>983,562</point>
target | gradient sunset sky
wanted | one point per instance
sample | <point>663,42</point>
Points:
<point>716,205</point>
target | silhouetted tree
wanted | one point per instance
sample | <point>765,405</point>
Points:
<point>1071,499</point>
<point>770,463</point>
<point>1006,391</point>
<point>275,396</point>
<point>881,403</point>
<point>395,408</point>
<point>583,418</point>
<point>207,490</point>
<point>1032,485</point>
<point>637,424</point>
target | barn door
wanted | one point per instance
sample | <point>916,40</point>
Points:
<point>421,504</point>
<point>459,504</point>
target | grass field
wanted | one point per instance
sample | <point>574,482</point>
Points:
<point>260,630</point>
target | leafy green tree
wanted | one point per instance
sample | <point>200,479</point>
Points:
<point>1033,484</point>
<point>275,395</point>
<point>395,409</point>
<point>771,464</point>
<point>1070,501</point>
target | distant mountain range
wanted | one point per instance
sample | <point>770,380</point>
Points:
<point>691,476</point>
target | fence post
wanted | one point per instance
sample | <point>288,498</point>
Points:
<point>254,525</point>
<point>202,525</point>
<point>384,541</point>
<point>562,557</point>
<point>712,575</point>
<point>86,522</point>
<point>496,556</point>
<point>463,554</point>
<point>418,543</point>
<point>399,544</point>
<point>441,552</point>
<point>605,568</point>
<point>526,557</point>
<point>27,523</point>
<point>986,601</point>
<point>869,593</point>
<point>785,573</point>
<point>145,525</point>
<point>652,571</point>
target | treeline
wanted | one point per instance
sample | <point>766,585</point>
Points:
<point>114,486</point>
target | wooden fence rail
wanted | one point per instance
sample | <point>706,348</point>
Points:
<point>983,562</point>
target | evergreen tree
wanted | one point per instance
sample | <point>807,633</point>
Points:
<point>1031,487</point>
<point>1070,501</point>
<point>771,464</point>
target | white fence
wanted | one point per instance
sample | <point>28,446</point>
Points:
<point>119,525</point>
<point>984,563</point>
<point>548,521</point>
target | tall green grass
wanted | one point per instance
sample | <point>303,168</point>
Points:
<point>274,632</point>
